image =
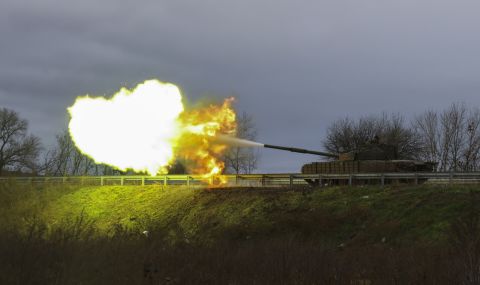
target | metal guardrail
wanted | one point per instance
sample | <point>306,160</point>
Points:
<point>258,180</point>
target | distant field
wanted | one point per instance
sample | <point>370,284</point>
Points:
<point>138,234</point>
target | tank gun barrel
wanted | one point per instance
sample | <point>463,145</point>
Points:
<point>301,150</point>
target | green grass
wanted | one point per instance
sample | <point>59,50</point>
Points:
<point>349,215</point>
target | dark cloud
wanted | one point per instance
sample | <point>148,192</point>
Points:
<point>294,65</point>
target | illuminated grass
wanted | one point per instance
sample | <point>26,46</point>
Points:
<point>336,215</point>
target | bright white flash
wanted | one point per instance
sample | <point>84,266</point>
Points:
<point>135,129</point>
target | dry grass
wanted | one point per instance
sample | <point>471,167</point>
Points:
<point>71,257</point>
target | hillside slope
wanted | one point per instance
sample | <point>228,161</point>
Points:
<point>360,215</point>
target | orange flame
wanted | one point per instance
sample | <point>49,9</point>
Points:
<point>201,127</point>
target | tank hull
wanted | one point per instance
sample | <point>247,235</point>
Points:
<point>366,166</point>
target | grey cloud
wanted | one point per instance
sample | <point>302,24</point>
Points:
<point>295,65</point>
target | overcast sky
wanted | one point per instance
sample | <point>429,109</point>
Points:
<point>295,66</point>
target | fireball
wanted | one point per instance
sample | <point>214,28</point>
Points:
<point>146,128</point>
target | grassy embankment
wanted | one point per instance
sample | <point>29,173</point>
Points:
<point>221,236</point>
<point>355,215</point>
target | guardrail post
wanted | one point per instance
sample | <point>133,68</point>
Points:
<point>188,180</point>
<point>121,181</point>
<point>164,180</point>
<point>143,180</point>
<point>320,181</point>
<point>102,181</point>
<point>290,178</point>
<point>382,180</point>
<point>416,179</point>
<point>350,180</point>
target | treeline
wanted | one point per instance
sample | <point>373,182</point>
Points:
<point>451,137</point>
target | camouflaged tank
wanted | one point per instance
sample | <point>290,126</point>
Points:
<point>373,158</point>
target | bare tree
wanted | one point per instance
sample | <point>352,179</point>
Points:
<point>452,123</point>
<point>471,152</point>
<point>66,159</point>
<point>457,114</point>
<point>451,137</point>
<point>18,149</point>
<point>63,150</point>
<point>396,132</point>
<point>426,126</point>
<point>243,159</point>
<point>341,137</point>
<point>347,135</point>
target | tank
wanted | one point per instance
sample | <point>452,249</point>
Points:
<point>372,158</point>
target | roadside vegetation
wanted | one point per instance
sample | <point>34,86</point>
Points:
<point>175,235</point>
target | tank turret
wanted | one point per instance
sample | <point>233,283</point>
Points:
<point>371,152</point>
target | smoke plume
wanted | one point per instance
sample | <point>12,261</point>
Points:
<point>232,141</point>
